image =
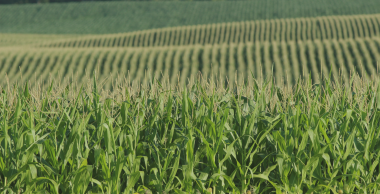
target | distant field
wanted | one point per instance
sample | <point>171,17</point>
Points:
<point>31,39</point>
<point>216,40</point>
<point>285,60</point>
<point>120,17</point>
<point>295,29</point>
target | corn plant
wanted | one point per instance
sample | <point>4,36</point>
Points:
<point>254,138</point>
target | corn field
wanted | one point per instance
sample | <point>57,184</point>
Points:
<point>203,97</point>
<point>285,61</point>
<point>105,17</point>
<point>276,30</point>
<point>225,52</point>
<point>256,138</point>
<point>12,40</point>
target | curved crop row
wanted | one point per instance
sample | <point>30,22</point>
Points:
<point>32,39</point>
<point>285,61</point>
<point>296,29</point>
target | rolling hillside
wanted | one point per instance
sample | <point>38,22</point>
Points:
<point>284,42</point>
<point>287,61</point>
<point>12,40</point>
<point>297,29</point>
<point>121,17</point>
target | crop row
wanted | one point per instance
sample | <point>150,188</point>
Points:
<point>30,39</point>
<point>298,29</point>
<point>286,61</point>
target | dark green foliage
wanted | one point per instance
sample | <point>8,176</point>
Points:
<point>122,16</point>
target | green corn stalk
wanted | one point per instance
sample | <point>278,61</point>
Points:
<point>318,139</point>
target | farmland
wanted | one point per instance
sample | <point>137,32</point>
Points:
<point>286,61</point>
<point>283,48</point>
<point>120,17</point>
<point>204,97</point>
<point>261,139</point>
<point>11,40</point>
<point>280,30</point>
